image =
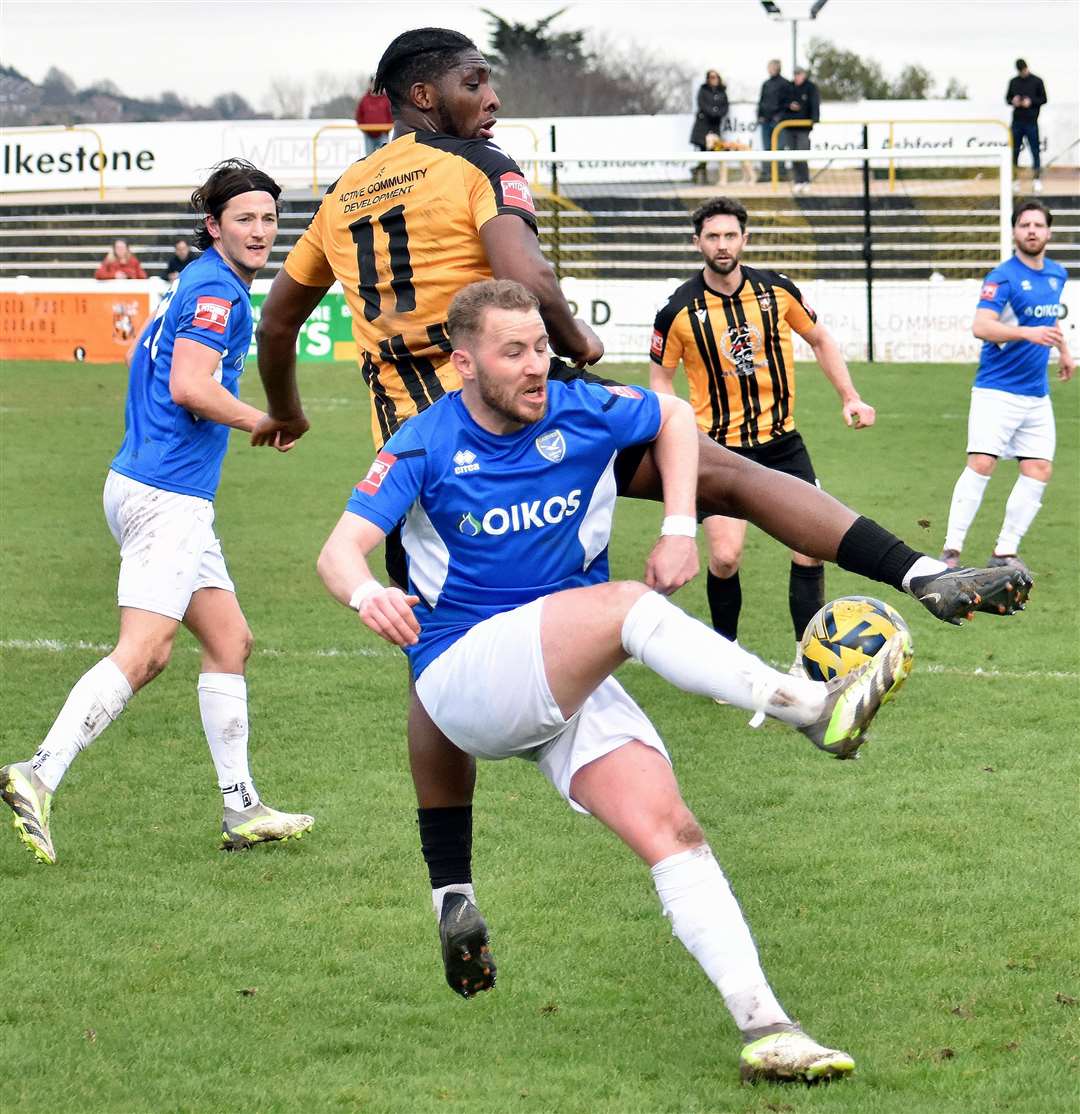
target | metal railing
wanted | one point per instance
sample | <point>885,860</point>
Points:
<point>784,124</point>
<point>77,128</point>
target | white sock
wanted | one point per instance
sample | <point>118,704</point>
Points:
<point>1023,505</point>
<point>924,566</point>
<point>704,914</point>
<point>696,659</point>
<point>454,888</point>
<point>99,696</point>
<point>223,707</point>
<point>966,497</point>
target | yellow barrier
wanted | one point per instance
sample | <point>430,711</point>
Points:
<point>775,145</point>
<point>76,128</point>
<point>383,128</point>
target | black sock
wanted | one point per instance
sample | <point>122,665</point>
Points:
<point>806,594</point>
<point>870,550</point>
<point>725,603</point>
<point>446,841</point>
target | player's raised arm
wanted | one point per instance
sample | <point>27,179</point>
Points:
<point>288,305</point>
<point>513,252</point>
<point>673,561</point>
<point>831,360</point>
<point>343,568</point>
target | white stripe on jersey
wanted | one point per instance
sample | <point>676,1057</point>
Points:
<point>429,558</point>
<point>594,533</point>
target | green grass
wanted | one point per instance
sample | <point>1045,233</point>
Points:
<point>917,907</point>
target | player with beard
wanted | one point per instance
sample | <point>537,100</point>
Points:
<point>730,325</point>
<point>404,229</point>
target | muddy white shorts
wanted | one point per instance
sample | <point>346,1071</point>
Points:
<point>168,549</point>
<point>1011,426</point>
<point>489,695</point>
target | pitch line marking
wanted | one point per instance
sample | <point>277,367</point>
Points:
<point>57,646</point>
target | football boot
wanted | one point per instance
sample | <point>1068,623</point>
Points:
<point>956,594</point>
<point>25,794</point>
<point>261,824</point>
<point>792,1058</point>
<point>466,951</point>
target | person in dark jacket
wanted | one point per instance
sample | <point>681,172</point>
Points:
<point>774,98</point>
<point>1026,94</point>
<point>712,107</point>
<point>805,104</point>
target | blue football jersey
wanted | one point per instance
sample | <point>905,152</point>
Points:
<point>493,522</point>
<point>165,445</point>
<point>1020,296</point>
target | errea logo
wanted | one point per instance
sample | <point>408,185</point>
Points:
<point>465,461</point>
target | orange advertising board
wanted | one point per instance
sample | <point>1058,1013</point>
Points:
<point>59,325</point>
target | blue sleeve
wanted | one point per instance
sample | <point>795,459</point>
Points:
<point>632,414</point>
<point>995,292</point>
<point>393,482</point>
<point>208,313</point>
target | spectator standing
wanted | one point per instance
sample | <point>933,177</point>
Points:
<point>372,110</point>
<point>805,104</point>
<point>772,104</point>
<point>181,257</point>
<point>120,264</point>
<point>1026,94</point>
<point>712,107</point>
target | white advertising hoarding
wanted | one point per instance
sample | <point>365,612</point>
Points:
<point>179,154</point>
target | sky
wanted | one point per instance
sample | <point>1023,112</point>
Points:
<point>199,49</point>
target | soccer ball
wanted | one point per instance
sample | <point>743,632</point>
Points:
<point>845,634</point>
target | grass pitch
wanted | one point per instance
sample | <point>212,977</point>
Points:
<point>917,908</point>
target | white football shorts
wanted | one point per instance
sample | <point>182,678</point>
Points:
<point>168,549</point>
<point>489,695</point>
<point>1011,426</point>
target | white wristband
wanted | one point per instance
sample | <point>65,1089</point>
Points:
<point>679,526</point>
<point>368,588</point>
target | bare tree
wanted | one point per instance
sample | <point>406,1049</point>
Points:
<point>286,99</point>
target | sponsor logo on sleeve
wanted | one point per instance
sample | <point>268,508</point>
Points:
<point>515,191</point>
<point>657,345</point>
<point>989,292</point>
<point>380,468</point>
<point>624,392</point>
<point>212,314</point>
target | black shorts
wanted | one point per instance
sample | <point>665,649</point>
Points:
<point>626,464</point>
<point>786,453</point>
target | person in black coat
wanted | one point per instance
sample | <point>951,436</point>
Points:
<point>775,95</point>
<point>805,104</point>
<point>712,107</point>
<point>1026,94</point>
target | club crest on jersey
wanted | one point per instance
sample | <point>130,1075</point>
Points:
<point>515,191</point>
<point>212,314</point>
<point>1053,282</point>
<point>989,291</point>
<point>701,313</point>
<point>551,446</point>
<point>765,301</point>
<point>465,461</point>
<point>380,468</point>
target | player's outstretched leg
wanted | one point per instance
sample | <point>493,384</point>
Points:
<point>29,799</point>
<point>261,824</point>
<point>466,950</point>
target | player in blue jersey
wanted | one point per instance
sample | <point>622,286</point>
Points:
<point>1011,415</point>
<point>512,628</point>
<point>159,504</point>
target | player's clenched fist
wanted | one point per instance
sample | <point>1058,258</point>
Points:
<point>389,614</point>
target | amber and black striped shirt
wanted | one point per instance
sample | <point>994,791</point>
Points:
<point>400,230</point>
<point>736,350</point>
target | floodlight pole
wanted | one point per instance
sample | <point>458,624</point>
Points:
<point>772,10</point>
